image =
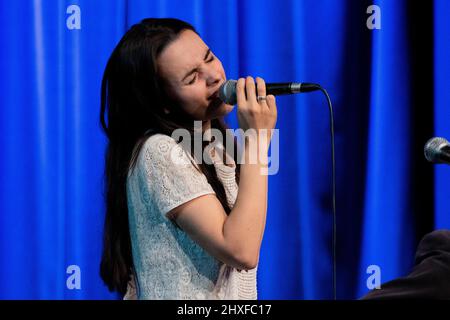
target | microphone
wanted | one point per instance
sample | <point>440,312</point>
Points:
<point>437,150</point>
<point>227,91</point>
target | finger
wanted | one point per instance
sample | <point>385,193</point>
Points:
<point>271,103</point>
<point>250,89</point>
<point>261,90</point>
<point>240,94</point>
<point>261,87</point>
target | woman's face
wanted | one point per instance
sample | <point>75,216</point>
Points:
<point>192,76</point>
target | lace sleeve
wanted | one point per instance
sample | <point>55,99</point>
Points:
<point>171,177</point>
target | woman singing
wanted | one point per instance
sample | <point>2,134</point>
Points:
<point>180,229</point>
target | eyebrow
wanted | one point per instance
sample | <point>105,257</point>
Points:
<point>195,69</point>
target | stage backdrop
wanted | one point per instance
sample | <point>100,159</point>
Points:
<point>386,69</point>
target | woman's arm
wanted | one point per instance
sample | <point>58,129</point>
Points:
<point>236,239</point>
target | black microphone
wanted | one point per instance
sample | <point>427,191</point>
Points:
<point>437,150</point>
<point>227,92</point>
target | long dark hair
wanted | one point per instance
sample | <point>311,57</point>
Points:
<point>132,109</point>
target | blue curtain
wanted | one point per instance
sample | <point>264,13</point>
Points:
<point>389,87</point>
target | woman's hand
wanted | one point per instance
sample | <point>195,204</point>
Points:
<point>254,114</point>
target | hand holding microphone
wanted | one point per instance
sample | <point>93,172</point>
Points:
<point>255,109</point>
<point>250,97</point>
<point>227,91</point>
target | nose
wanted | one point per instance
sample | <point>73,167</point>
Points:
<point>213,77</point>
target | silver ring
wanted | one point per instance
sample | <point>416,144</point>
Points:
<point>261,98</point>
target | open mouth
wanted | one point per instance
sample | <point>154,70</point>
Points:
<point>215,101</point>
<point>215,95</point>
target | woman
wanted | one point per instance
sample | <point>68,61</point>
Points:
<point>179,229</point>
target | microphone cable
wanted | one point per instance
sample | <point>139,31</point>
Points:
<point>333,170</point>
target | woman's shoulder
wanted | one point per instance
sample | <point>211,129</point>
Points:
<point>158,145</point>
<point>165,151</point>
<point>155,141</point>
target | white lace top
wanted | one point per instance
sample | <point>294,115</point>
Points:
<point>168,264</point>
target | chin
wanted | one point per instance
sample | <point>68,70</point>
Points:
<point>223,110</point>
<point>220,111</point>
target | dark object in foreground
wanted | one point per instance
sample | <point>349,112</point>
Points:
<point>430,277</point>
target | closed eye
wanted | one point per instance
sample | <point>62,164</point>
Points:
<point>195,75</point>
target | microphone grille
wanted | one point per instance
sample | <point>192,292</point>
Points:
<point>227,92</point>
<point>433,147</point>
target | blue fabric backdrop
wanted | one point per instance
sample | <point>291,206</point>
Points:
<point>390,89</point>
